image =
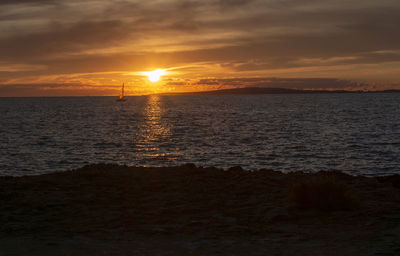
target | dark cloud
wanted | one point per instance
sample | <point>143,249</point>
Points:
<point>60,40</point>
<point>16,2</point>
<point>348,32</point>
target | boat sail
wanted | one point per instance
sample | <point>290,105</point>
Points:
<point>121,95</point>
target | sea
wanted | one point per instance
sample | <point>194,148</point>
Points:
<point>356,133</point>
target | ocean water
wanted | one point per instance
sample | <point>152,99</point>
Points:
<point>355,133</point>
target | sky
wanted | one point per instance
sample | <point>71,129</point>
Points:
<point>80,48</point>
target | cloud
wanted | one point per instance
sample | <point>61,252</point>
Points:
<point>293,83</point>
<point>61,40</point>
<point>19,2</point>
<point>81,87</point>
<point>44,89</point>
<point>230,37</point>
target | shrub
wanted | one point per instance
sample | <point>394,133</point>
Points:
<point>322,194</point>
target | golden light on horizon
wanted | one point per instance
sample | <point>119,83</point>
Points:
<point>155,75</point>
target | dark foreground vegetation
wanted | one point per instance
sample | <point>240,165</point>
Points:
<point>117,210</point>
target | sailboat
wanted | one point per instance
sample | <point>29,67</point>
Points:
<point>121,95</point>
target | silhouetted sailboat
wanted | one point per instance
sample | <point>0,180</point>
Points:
<point>121,95</point>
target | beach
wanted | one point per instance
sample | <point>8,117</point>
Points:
<point>108,209</point>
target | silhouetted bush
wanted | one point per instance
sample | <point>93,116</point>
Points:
<point>392,179</point>
<point>323,194</point>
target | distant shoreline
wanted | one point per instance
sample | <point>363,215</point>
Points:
<point>235,91</point>
<point>261,90</point>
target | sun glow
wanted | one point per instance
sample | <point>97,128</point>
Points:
<point>155,75</point>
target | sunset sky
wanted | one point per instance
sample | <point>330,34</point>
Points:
<point>71,47</point>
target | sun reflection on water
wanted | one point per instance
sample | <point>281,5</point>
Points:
<point>155,130</point>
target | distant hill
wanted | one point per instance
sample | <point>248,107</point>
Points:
<point>261,90</point>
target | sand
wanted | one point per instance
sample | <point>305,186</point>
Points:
<point>108,209</point>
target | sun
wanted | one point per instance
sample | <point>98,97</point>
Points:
<point>155,75</point>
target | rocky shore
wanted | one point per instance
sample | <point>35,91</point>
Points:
<point>105,209</point>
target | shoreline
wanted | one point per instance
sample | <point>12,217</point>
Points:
<point>200,211</point>
<point>390,175</point>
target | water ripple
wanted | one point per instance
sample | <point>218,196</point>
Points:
<point>355,133</point>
